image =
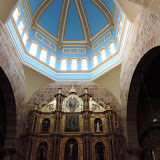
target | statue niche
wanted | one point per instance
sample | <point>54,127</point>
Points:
<point>100,148</point>
<point>98,125</point>
<point>71,150</point>
<point>42,151</point>
<point>46,125</point>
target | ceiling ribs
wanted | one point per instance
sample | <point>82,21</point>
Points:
<point>83,20</point>
<point>104,9</point>
<point>40,10</point>
<point>63,21</point>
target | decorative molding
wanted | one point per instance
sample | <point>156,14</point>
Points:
<point>63,21</point>
<point>74,51</point>
<point>104,9</point>
<point>45,41</point>
<point>116,15</point>
<point>101,41</point>
<point>41,9</point>
<point>26,13</point>
<point>83,19</point>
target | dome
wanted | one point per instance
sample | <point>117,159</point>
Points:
<point>69,39</point>
<point>80,21</point>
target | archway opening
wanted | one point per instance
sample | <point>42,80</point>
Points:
<point>7,117</point>
<point>71,149</point>
<point>2,119</point>
<point>100,149</point>
<point>143,111</point>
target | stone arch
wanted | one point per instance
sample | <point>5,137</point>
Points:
<point>141,68</point>
<point>142,39</point>
<point>14,89</point>
<point>9,119</point>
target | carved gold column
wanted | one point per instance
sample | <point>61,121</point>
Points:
<point>114,135</point>
<point>86,127</point>
<point>57,124</point>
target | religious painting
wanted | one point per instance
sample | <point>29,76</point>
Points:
<point>72,104</point>
<point>72,123</point>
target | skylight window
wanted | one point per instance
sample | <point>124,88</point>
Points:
<point>64,64</point>
<point>112,48</point>
<point>33,49</point>
<point>95,61</point>
<point>16,14</point>
<point>21,27</point>
<point>103,54</point>
<point>25,38</point>
<point>52,61</point>
<point>43,55</point>
<point>84,65</point>
<point>74,64</point>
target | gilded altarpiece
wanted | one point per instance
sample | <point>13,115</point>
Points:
<point>72,127</point>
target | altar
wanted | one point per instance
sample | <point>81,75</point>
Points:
<point>73,127</point>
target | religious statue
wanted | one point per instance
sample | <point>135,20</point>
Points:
<point>42,151</point>
<point>46,123</point>
<point>98,125</point>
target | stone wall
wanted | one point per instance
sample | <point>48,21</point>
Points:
<point>97,92</point>
<point>12,67</point>
<point>144,35</point>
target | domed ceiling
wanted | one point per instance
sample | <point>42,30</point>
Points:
<point>72,21</point>
<point>69,39</point>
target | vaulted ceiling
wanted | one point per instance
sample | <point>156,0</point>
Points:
<point>81,21</point>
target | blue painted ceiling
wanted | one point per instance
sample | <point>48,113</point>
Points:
<point>70,29</point>
<point>76,16</point>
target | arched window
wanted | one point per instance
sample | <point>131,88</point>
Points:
<point>98,125</point>
<point>103,54</point>
<point>43,55</point>
<point>52,61</point>
<point>25,38</point>
<point>121,24</point>
<point>64,64</point>
<point>74,64</point>
<point>112,48</point>
<point>46,125</point>
<point>16,14</point>
<point>84,65</point>
<point>42,151</point>
<point>100,150</point>
<point>95,61</point>
<point>33,49</point>
<point>21,27</point>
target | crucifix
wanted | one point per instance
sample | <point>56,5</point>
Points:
<point>71,149</point>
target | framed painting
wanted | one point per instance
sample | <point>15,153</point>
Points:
<point>72,123</point>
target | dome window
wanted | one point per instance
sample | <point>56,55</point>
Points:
<point>95,61</point>
<point>64,64</point>
<point>84,64</point>
<point>103,54</point>
<point>33,49</point>
<point>25,38</point>
<point>21,27</point>
<point>74,64</point>
<point>43,55</point>
<point>112,48</point>
<point>52,61</point>
<point>16,14</point>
